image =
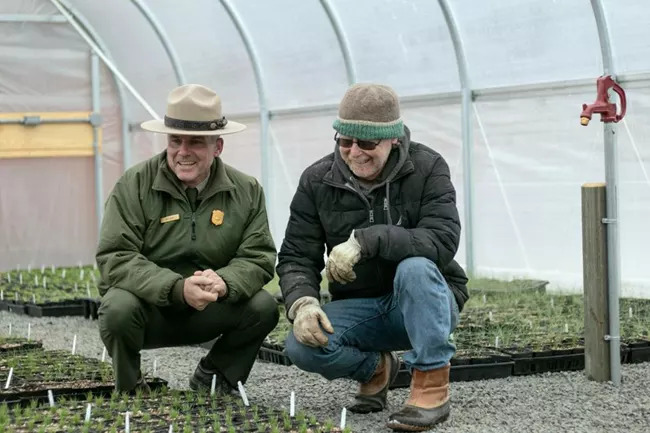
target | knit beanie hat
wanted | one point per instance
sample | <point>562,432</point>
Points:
<point>369,112</point>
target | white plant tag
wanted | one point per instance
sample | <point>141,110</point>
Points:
<point>242,391</point>
<point>11,373</point>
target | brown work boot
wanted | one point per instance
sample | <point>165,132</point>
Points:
<point>372,395</point>
<point>428,403</point>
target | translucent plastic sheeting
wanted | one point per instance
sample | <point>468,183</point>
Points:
<point>629,30</point>
<point>47,213</point>
<point>210,50</point>
<point>511,42</point>
<point>404,43</point>
<point>299,55</point>
<point>136,50</point>
<point>531,159</point>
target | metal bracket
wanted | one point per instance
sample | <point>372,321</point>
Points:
<point>612,337</point>
<point>32,120</point>
<point>95,119</point>
<point>609,220</point>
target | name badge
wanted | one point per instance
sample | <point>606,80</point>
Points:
<point>217,217</point>
<point>170,218</point>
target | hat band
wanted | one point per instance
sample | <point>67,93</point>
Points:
<point>191,125</point>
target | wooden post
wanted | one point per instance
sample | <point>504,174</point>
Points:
<point>594,266</point>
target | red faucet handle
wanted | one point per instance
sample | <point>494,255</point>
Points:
<point>621,94</point>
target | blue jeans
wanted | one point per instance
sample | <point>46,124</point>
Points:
<point>417,316</point>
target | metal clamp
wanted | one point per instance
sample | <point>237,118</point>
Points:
<point>609,220</point>
<point>95,119</point>
<point>612,337</point>
<point>32,120</point>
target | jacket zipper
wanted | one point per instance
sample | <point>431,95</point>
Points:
<point>193,226</point>
<point>371,213</point>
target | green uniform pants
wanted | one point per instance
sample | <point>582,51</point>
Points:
<point>127,325</point>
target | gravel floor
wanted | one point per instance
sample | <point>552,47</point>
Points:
<point>560,402</point>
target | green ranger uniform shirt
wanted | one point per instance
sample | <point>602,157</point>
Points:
<point>150,239</point>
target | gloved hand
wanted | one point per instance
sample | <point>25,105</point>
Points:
<point>342,259</point>
<point>309,317</point>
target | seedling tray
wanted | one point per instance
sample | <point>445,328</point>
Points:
<point>34,372</point>
<point>90,308</point>
<point>638,351</point>
<point>274,353</point>
<point>56,309</point>
<point>156,412</point>
<point>18,344</point>
<point>72,390</point>
<point>13,306</point>
<point>530,362</point>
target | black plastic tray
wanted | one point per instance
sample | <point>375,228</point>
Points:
<point>466,369</point>
<point>547,361</point>
<point>56,309</point>
<point>24,397</point>
<point>273,353</point>
<point>90,308</point>
<point>638,351</point>
<point>21,346</point>
<point>13,306</point>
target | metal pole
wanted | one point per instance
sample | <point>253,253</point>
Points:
<point>96,122</point>
<point>611,180</point>
<point>466,130</point>
<point>105,59</point>
<point>36,120</point>
<point>261,93</point>
<point>31,18</point>
<point>164,40</point>
<point>124,109</point>
<point>613,250</point>
<point>344,44</point>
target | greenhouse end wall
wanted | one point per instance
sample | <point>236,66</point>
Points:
<point>531,65</point>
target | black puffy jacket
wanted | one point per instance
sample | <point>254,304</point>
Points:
<point>410,212</point>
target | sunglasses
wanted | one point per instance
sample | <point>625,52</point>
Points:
<point>347,143</point>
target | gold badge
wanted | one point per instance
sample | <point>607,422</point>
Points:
<point>170,218</point>
<point>217,217</point>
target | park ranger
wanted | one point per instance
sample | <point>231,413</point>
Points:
<point>184,251</point>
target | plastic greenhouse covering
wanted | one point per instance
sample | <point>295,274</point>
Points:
<point>281,68</point>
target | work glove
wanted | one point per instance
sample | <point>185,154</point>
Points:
<point>342,259</point>
<point>308,316</point>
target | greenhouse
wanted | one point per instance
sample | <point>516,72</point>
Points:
<point>500,89</point>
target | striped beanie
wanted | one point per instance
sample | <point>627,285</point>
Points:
<point>369,112</point>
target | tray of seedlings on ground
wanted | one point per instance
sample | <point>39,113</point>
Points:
<point>540,332</point>
<point>29,374</point>
<point>635,329</point>
<point>162,410</point>
<point>477,363</point>
<point>50,291</point>
<point>17,344</point>
<point>272,349</point>
<point>516,324</point>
